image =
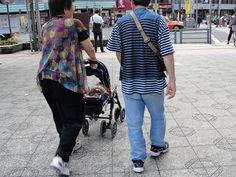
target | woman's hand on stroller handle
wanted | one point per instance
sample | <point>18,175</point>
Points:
<point>93,64</point>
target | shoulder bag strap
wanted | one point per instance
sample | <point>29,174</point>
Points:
<point>143,34</point>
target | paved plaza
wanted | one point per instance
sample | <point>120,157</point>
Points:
<point>201,121</point>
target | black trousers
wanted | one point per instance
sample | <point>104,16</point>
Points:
<point>68,114</point>
<point>96,35</point>
<point>230,34</point>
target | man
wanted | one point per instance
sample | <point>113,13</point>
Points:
<point>142,79</point>
<point>97,22</point>
<point>231,23</point>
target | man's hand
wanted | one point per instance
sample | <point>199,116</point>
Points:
<point>170,67</point>
<point>171,89</point>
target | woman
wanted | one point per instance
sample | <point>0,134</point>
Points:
<point>62,76</point>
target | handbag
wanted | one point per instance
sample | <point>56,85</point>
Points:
<point>148,42</point>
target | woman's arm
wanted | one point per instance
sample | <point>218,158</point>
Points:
<point>89,49</point>
<point>86,44</point>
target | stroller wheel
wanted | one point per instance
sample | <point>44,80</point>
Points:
<point>113,129</point>
<point>103,127</point>
<point>85,128</point>
<point>122,115</point>
<point>117,114</point>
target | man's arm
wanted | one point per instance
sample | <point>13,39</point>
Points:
<point>170,67</point>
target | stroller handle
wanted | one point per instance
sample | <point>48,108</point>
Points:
<point>88,61</point>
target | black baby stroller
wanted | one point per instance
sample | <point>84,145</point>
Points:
<point>96,104</point>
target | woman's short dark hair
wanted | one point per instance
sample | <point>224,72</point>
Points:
<point>142,2</point>
<point>56,7</point>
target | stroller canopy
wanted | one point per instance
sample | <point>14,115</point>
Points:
<point>100,72</point>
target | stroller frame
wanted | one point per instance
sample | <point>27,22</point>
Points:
<point>94,111</point>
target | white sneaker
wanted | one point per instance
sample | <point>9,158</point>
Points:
<point>60,166</point>
<point>76,147</point>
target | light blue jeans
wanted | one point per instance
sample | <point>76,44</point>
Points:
<point>134,110</point>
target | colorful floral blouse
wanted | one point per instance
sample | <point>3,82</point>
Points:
<point>62,59</point>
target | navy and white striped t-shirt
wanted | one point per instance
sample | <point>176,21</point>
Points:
<point>140,72</point>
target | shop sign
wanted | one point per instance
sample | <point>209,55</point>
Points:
<point>121,4</point>
<point>187,7</point>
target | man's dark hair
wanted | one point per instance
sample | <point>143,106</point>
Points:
<point>96,11</point>
<point>56,7</point>
<point>142,2</point>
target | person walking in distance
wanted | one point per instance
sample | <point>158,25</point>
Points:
<point>97,22</point>
<point>62,76</point>
<point>231,23</point>
<point>142,77</point>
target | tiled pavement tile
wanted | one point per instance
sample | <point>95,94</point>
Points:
<point>40,120</point>
<point>168,116</point>
<point>203,137</point>
<point>233,111</point>
<point>5,133</point>
<point>185,112</point>
<point>52,128</point>
<point>26,129</point>
<point>203,92</point>
<point>2,142</point>
<point>18,147</point>
<point>32,105</point>
<point>48,144</point>
<point>222,157</point>
<point>99,145</point>
<point>101,162</point>
<point>171,107</point>
<point>41,112</point>
<point>181,131</point>
<point>198,125</point>
<point>132,174</point>
<point>39,165</point>
<point>92,175</point>
<point>229,132</point>
<point>222,105</point>
<point>11,122</point>
<point>224,122</point>
<point>187,89</point>
<point>5,105</point>
<point>20,112</point>
<point>176,173</point>
<point>175,158</point>
<point>220,94</point>
<point>13,165</point>
<point>175,141</point>
<point>205,117</point>
<point>216,112</point>
<point>204,102</point>
<point>229,171</point>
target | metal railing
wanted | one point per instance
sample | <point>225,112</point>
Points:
<point>191,35</point>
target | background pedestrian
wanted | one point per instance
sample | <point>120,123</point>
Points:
<point>97,22</point>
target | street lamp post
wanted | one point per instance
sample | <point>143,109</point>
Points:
<point>219,4</point>
<point>196,18</point>
<point>9,20</point>
<point>38,20</point>
<point>210,14</point>
<point>179,15</point>
<point>29,25</point>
